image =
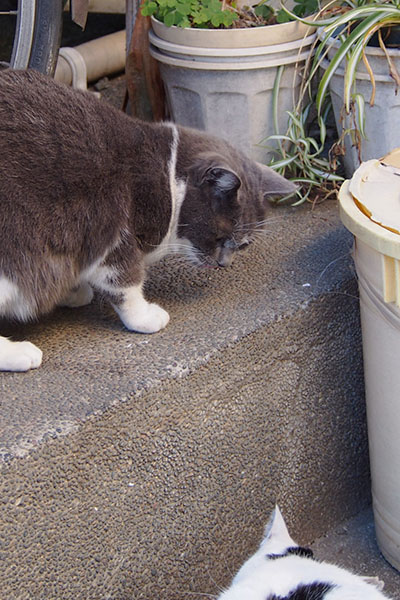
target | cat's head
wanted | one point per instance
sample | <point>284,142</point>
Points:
<point>226,203</point>
<point>276,544</point>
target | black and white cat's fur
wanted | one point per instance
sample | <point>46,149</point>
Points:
<point>282,570</point>
<point>89,197</point>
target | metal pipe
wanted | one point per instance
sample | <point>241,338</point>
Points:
<point>101,57</point>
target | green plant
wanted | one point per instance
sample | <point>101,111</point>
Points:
<point>352,23</point>
<point>189,13</point>
<point>300,156</point>
<point>221,13</point>
<point>354,28</point>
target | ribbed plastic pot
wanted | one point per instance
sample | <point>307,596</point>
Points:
<point>382,123</point>
<point>222,81</point>
<point>377,261</point>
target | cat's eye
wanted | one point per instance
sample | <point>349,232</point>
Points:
<point>243,245</point>
<point>229,243</point>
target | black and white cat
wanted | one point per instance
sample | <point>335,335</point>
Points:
<point>89,197</point>
<point>282,570</point>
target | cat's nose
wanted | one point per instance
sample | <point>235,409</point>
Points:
<point>224,257</point>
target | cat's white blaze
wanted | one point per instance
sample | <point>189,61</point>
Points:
<point>139,315</point>
<point>177,192</point>
<point>12,301</point>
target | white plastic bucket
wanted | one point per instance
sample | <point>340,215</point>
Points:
<point>228,91</point>
<point>377,261</point>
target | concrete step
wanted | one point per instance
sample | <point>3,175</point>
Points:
<point>139,466</point>
<point>352,545</point>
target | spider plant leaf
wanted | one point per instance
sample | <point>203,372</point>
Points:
<point>302,180</point>
<point>371,76</point>
<point>392,67</point>
<point>302,199</point>
<point>296,119</point>
<point>350,71</point>
<point>357,34</point>
<point>279,137</point>
<point>308,21</point>
<point>327,176</point>
<point>304,143</point>
<point>275,94</point>
<point>377,12</point>
<point>282,163</point>
<point>360,115</point>
<point>314,144</point>
<point>322,130</point>
<point>323,163</point>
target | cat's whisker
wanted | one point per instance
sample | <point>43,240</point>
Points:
<point>211,596</point>
<point>261,223</point>
<point>167,246</point>
<point>332,262</point>
<point>261,233</point>
<point>343,294</point>
<point>219,588</point>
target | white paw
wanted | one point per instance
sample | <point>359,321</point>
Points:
<point>79,296</point>
<point>19,356</point>
<point>149,319</point>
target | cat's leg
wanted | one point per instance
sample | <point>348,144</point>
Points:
<point>78,296</point>
<point>137,314</point>
<point>18,356</point>
<point>120,278</point>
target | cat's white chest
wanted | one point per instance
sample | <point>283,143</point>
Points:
<point>170,243</point>
<point>177,189</point>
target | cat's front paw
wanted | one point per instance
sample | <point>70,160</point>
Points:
<point>19,356</point>
<point>149,319</point>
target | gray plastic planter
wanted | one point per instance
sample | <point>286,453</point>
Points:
<point>223,83</point>
<point>382,123</point>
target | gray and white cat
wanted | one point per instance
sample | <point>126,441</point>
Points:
<point>282,570</point>
<point>89,197</point>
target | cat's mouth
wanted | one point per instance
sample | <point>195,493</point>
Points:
<point>204,262</point>
<point>221,257</point>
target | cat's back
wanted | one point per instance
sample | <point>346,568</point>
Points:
<point>28,98</point>
<point>29,95</point>
<point>45,125</point>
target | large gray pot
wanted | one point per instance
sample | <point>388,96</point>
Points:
<point>221,81</point>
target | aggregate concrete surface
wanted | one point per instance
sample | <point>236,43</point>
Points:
<point>91,363</point>
<point>352,545</point>
<point>144,466</point>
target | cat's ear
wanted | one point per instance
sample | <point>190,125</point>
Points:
<point>276,533</point>
<point>222,181</point>
<point>274,184</point>
<point>225,181</point>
